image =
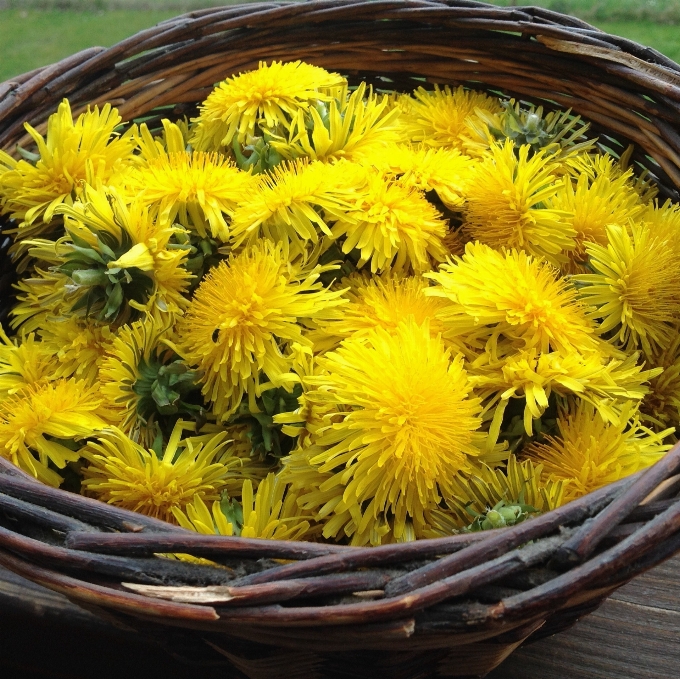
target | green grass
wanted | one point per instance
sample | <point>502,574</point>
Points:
<point>665,38</point>
<point>29,39</point>
<point>598,11</point>
<point>33,38</point>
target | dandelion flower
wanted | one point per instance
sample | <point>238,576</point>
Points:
<point>593,377</point>
<point>663,223</point>
<point>24,362</point>
<point>392,226</point>
<point>123,473</point>
<point>604,167</point>
<point>592,205</point>
<point>120,260</point>
<point>39,294</point>
<point>270,513</point>
<point>36,423</point>
<point>142,381</point>
<point>77,346</point>
<point>635,287</point>
<point>197,188</point>
<point>437,118</point>
<point>296,204</point>
<point>242,315</point>
<point>402,428</point>
<point>71,152</point>
<point>512,293</point>
<point>346,127</point>
<point>507,198</point>
<point>266,97</point>
<point>590,452</point>
<point>379,302</point>
<point>444,171</point>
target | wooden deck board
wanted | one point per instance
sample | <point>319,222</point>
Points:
<point>634,635</point>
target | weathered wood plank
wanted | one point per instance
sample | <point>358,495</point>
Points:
<point>633,635</point>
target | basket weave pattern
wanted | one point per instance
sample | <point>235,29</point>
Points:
<point>451,607</point>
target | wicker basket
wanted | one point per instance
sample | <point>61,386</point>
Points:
<point>452,607</point>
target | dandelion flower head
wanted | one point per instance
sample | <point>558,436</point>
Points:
<point>123,473</point>
<point>442,170</point>
<point>590,452</point>
<point>437,117</point>
<point>296,204</point>
<point>71,152</point>
<point>201,190</point>
<point>379,302</point>
<point>507,198</point>
<point>392,226</point>
<point>243,315</point>
<point>520,483</point>
<point>515,294</point>
<point>35,421</point>
<point>348,127</point>
<point>635,287</point>
<point>269,96</point>
<point>590,205</point>
<point>402,429</point>
<point>142,380</point>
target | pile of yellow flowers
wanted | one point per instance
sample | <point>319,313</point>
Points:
<point>322,312</point>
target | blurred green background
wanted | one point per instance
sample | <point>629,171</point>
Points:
<point>34,33</point>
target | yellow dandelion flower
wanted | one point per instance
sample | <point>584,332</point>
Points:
<point>243,314</point>
<point>593,377</point>
<point>198,189</point>
<point>346,127</point>
<point>197,517</point>
<point>403,426</point>
<point>520,483</point>
<point>295,204</point>
<point>267,97</point>
<point>123,473</point>
<point>507,198</point>
<point>590,205</point>
<point>444,171</point>
<point>270,513</point>
<point>590,452</point>
<point>515,294</point>
<point>76,345</point>
<point>437,118</point>
<point>24,362</point>
<point>663,223</point>
<point>142,381</point>
<point>40,293</point>
<point>602,166</point>
<point>71,152</point>
<point>661,406</point>
<point>392,226</point>
<point>635,287</point>
<point>379,302</point>
<point>118,260</point>
<point>36,423</point>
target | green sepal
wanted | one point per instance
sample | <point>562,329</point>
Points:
<point>266,436</point>
<point>233,511</point>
